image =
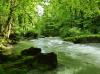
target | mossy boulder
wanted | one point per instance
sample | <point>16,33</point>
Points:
<point>46,60</point>
<point>30,34</point>
<point>3,58</point>
<point>31,58</point>
<point>35,59</point>
<point>14,38</point>
<point>84,39</point>
<point>31,51</point>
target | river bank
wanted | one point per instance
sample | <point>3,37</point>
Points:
<point>84,39</point>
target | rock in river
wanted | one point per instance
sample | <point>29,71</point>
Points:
<point>31,51</point>
<point>46,60</point>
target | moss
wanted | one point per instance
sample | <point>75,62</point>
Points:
<point>84,39</point>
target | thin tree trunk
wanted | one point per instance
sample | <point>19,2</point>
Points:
<point>8,25</point>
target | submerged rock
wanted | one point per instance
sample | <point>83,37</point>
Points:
<point>31,51</point>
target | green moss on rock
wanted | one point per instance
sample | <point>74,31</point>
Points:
<point>84,39</point>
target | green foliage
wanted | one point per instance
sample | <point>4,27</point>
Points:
<point>74,17</point>
<point>60,18</point>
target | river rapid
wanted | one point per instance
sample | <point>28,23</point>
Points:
<point>72,58</point>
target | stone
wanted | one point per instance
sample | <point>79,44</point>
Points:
<point>3,58</point>
<point>48,60</point>
<point>31,35</point>
<point>31,51</point>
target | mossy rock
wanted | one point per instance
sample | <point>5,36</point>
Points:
<point>84,39</point>
<point>46,61</point>
<point>31,51</point>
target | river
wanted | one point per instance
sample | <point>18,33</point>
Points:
<point>72,58</point>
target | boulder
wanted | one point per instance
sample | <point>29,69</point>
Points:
<point>35,59</point>
<point>14,37</point>
<point>3,58</point>
<point>46,60</point>
<point>31,35</point>
<point>31,51</point>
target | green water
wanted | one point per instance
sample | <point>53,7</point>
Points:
<point>72,58</point>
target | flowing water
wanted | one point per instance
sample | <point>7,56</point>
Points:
<point>72,58</point>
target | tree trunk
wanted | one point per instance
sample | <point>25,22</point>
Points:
<point>8,25</point>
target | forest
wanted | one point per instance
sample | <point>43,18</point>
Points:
<point>49,36</point>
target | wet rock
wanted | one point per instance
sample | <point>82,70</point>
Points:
<point>3,58</point>
<point>33,58</point>
<point>46,60</point>
<point>31,35</point>
<point>14,37</point>
<point>84,39</point>
<point>31,51</point>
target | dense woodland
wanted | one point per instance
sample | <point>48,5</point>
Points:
<point>24,19</point>
<point>63,18</point>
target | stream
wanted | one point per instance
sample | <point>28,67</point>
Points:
<point>72,58</point>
